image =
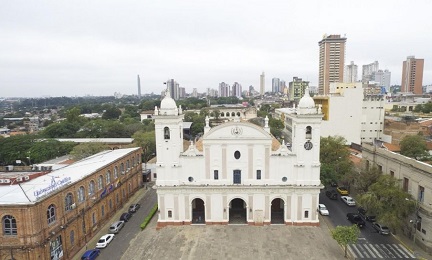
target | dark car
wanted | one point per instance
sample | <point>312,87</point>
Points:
<point>125,216</point>
<point>90,254</point>
<point>363,213</point>
<point>332,194</point>
<point>356,219</point>
<point>134,207</point>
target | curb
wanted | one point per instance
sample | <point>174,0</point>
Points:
<point>408,247</point>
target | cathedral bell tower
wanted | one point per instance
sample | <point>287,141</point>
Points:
<point>169,137</point>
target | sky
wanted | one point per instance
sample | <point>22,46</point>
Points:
<point>98,47</point>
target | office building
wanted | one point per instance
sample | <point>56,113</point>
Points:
<point>350,74</point>
<point>275,85</point>
<point>173,87</point>
<point>297,88</point>
<point>224,90</point>
<point>368,71</point>
<point>262,84</point>
<point>412,75</point>
<point>236,90</point>
<point>331,61</point>
<point>382,78</point>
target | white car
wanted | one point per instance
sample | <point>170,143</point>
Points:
<point>104,240</point>
<point>348,200</point>
<point>323,210</point>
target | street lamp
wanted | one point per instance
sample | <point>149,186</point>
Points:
<point>417,219</point>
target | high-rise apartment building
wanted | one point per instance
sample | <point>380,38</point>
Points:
<point>275,85</point>
<point>412,75</point>
<point>195,92</point>
<point>382,77</point>
<point>262,84</point>
<point>282,86</point>
<point>297,88</point>
<point>173,87</point>
<point>224,90</point>
<point>236,90</point>
<point>350,74</point>
<point>331,61</point>
<point>368,71</point>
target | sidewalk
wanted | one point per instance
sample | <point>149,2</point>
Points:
<point>409,244</point>
<point>102,231</point>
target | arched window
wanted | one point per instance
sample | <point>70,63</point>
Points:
<point>122,169</point>
<point>51,214</point>
<point>100,182</point>
<point>166,133</point>
<point>308,132</point>
<point>108,177</point>
<point>238,114</point>
<point>103,210</point>
<point>94,219</point>
<point>68,202</point>
<point>138,159</point>
<point>222,114</point>
<point>81,194</point>
<point>9,226</point>
<point>232,114</point>
<point>115,172</point>
<point>72,237</point>
<point>133,161</point>
<point>127,165</point>
<point>91,187</point>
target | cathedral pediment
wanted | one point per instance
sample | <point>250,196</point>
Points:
<point>237,130</point>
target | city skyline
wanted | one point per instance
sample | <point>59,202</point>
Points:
<point>87,48</point>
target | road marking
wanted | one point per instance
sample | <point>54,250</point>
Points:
<point>407,252</point>
<point>354,247</point>
<point>373,249</point>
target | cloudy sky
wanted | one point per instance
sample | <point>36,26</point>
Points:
<point>98,47</point>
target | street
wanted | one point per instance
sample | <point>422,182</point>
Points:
<point>371,244</point>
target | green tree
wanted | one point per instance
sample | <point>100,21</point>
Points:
<point>364,179</point>
<point>15,148</point>
<point>111,113</point>
<point>413,146</point>
<point>345,235</point>
<point>388,201</point>
<point>64,129</point>
<point>335,159</point>
<point>73,115</point>
<point>84,150</point>
<point>47,149</point>
<point>147,141</point>
<point>418,108</point>
<point>276,127</point>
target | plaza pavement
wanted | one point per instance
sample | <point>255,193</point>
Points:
<point>233,242</point>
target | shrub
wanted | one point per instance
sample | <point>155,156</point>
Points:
<point>149,217</point>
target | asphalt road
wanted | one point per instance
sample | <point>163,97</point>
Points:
<point>371,244</point>
<point>121,240</point>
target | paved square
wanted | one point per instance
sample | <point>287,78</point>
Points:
<point>233,242</point>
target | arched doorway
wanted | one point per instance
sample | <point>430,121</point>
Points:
<point>237,212</point>
<point>198,211</point>
<point>277,211</point>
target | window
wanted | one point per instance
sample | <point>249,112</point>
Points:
<point>284,179</point>
<point>237,155</point>
<point>258,174</point>
<point>91,187</point>
<point>103,210</point>
<point>122,169</point>
<point>9,226</point>
<point>421,194</point>
<point>94,219</point>
<point>133,161</point>
<point>166,133</point>
<point>110,204</point>
<point>108,177</point>
<point>68,202</point>
<point>237,177</point>
<point>216,174</point>
<point>81,194</point>
<point>154,175</point>
<point>392,173</point>
<point>306,214</point>
<point>115,172</point>
<point>308,132</point>
<point>72,237</point>
<point>127,165</point>
<point>51,214</point>
<point>170,213</point>
<point>100,182</point>
<point>405,184</point>
<point>380,168</point>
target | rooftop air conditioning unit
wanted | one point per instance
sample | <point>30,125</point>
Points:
<point>6,181</point>
<point>19,179</point>
<point>26,178</point>
<point>9,168</point>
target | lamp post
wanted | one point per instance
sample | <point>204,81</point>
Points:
<point>417,219</point>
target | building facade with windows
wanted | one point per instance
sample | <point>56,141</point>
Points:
<point>54,215</point>
<point>238,173</point>
<point>416,179</point>
<point>331,61</point>
<point>412,75</point>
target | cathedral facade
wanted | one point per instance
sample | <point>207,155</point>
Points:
<point>237,172</point>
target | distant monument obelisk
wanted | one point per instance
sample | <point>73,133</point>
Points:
<point>139,87</point>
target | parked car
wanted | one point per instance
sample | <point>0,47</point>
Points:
<point>125,216</point>
<point>332,194</point>
<point>90,254</point>
<point>104,240</point>
<point>348,200</point>
<point>342,190</point>
<point>323,210</point>
<point>383,230</point>
<point>134,207</point>
<point>363,213</point>
<point>356,219</point>
<point>116,226</point>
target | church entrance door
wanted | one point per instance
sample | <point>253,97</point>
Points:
<point>277,211</point>
<point>237,212</point>
<point>198,211</point>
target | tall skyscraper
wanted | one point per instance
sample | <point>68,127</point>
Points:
<point>224,90</point>
<point>297,88</point>
<point>139,87</point>
<point>195,92</point>
<point>350,74</point>
<point>236,90</point>
<point>383,78</point>
<point>331,61</point>
<point>368,71</point>
<point>262,84</point>
<point>412,75</point>
<point>173,87</point>
<point>275,85</point>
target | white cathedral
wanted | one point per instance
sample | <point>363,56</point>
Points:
<point>237,172</point>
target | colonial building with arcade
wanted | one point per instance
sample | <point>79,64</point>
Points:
<point>238,173</point>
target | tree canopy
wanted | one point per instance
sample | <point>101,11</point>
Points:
<point>335,159</point>
<point>345,235</point>
<point>413,146</point>
<point>84,150</point>
<point>147,141</point>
